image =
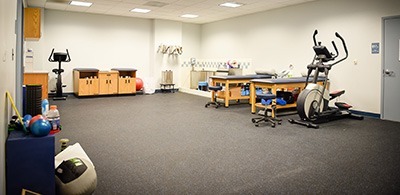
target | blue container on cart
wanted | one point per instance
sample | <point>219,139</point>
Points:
<point>203,86</point>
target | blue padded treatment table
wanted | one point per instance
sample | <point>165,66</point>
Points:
<point>287,80</point>
<point>279,83</point>
<point>233,79</point>
<point>240,77</point>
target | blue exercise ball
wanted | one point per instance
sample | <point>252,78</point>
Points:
<point>40,128</point>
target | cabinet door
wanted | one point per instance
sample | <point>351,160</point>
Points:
<point>132,85</point>
<point>126,85</point>
<point>94,86</point>
<point>122,85</point>
<point>103,83</point>
<point>32,23</point>
<point>113,84</point>
<point>84,87</point>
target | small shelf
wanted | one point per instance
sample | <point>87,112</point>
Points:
<point>167,87</point>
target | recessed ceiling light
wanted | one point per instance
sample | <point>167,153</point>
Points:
<point>140,10</point>
<point>80,3</point>
<point>155,4</point>
<point>189,16</point>
<point>231,4</point>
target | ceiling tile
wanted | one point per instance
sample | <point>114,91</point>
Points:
<point>208,10</point>
<point>36,3</point>
<point>57,6</point>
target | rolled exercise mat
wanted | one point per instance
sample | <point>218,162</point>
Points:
<point>34,99</point>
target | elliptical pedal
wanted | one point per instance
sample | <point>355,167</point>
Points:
<point>335,94</point>
<point>343,105</point>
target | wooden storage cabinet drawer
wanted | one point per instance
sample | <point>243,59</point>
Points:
<point>108,82</point>
<point>86,82</point>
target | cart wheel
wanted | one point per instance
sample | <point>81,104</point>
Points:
<point>257,125</point>
<point>206,105</point>
<point>253,120</point>
<point>273,125</point>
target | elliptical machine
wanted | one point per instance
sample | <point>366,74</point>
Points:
<point>59,57</point>
<point>312,103</point>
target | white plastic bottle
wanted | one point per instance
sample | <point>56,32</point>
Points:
<point>54,117</point>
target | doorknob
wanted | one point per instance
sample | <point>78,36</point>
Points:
<point>389,72</point>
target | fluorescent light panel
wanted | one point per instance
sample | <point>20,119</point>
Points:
<point>140,10</point>
<point>231,4</point>
<point>189,16</point>
<point>80,3</point>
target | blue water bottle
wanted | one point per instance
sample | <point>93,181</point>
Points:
<point>45,107</point>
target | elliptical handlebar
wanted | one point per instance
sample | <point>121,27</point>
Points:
<point>314,37</point>
<point>343,42</point>
<point>332,56</point>
<point>337,52</point>
<point>344,46</point>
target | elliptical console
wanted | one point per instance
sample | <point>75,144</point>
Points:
<point>313,102</point>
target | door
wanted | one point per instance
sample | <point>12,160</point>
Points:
<point>391,69</point>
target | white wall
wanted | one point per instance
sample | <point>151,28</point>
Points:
<point>94,41</point>
<point>176,33</point>
<point>275,39</point>
<point>105,42</point>
<point>168,33</point>
<point>191,42</point>
<point>8,11</point>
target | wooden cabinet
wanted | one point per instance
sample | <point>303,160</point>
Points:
<point>86,81</point>
<point>126,85</point>
<point>126,80</point>
<point>90,81</point>
<point>32,19</point>
<point>38,78</point>
<point>108,82</point>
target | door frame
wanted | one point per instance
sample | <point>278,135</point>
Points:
<point>19,31</point>
<point>383,62</point>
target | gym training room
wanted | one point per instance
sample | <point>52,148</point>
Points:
<point>200,97</point>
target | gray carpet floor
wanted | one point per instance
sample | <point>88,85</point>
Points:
<point>169,143</point>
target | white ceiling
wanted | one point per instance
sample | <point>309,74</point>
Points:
<point>208,10</point>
